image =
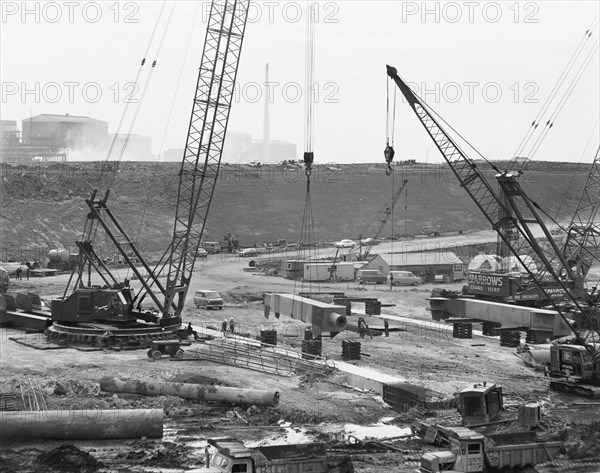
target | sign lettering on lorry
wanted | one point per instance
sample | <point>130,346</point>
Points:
<point>488,284</point>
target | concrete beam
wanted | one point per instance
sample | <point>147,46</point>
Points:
<point>322,317</point>
<point>547,322</point>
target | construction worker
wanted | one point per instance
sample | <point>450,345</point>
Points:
<point>224,327</point>
<point>386,327</point>
<point>231,325</point>
<point>191,331</point>
<point>361,327</point>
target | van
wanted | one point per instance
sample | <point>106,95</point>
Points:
<point>212,247</point>
<point>403,278</point>
<point>366,276</point>
<point>206,299</point>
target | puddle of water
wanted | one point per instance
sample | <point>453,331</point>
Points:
<point>376,431</point>
<point>287,436</point>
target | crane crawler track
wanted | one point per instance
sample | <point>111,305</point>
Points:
<point>109,336</point>
<point>578,389</point>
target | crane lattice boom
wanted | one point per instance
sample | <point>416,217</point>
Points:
<point>206,137</point>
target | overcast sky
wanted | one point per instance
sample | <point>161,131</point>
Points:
<point>487,68</point>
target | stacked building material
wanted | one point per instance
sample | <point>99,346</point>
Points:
<point>311,349</point>
<point>490,328</point>
<point>373,307</point>
<point>462,330</point>
<point>510,338</point>
<point>268,337</point>
<point>350,350</point>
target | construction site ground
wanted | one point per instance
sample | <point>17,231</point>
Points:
<point>311,408</point>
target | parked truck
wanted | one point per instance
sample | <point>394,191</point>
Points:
<point>432,230</point>
<point>63,260</point>
<point>233,457</point>
<point>472,452</point>
<point>212,247</point>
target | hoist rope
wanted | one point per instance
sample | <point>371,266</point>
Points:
<point>554,90</point>
<point>309,81</point>
<point>137,77</point>
<point>559,107</point>
<point>307,231</point>
<point>392,229</point>
<point>389,140</point>
<point>389,152</point>
<point>151,190</point>
<point>564,198</point>
<point>147,83</point>
<point>553,94</point>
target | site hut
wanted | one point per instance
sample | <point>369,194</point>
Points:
<point>324,271</point>
<point>440,266</point>
<point>293,269</point>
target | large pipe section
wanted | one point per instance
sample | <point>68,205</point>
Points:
<point>322,316</point>
<point>223,394</point>
<point>83,424</point>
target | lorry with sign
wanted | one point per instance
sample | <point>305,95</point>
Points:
<point>509,289</point>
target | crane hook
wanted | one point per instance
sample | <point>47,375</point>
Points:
<point>309,157</point>
<point>389,157</point>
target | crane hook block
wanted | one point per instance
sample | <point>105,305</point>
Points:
<point>309,157</point>
<point>389,154</point>
<point>389,157</point>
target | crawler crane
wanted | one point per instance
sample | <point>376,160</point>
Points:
<point>574,366</point>
<point>113,313</point>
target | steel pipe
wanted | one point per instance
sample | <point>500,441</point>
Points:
<point>223,394</point>
<point>82,424</point>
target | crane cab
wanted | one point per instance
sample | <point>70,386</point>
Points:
<point>572,362</point>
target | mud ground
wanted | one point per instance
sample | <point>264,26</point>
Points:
<point>312,408</point>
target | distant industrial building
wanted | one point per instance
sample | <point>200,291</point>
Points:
<point>13,150</point>
<point>278,151</point>
<point>441,266</point>
<point>65,132</point>
<point>241,148</point>
<point>9,131</point>
<point>172,154</point>
<point>132,147</point>
<point>236,147</point>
